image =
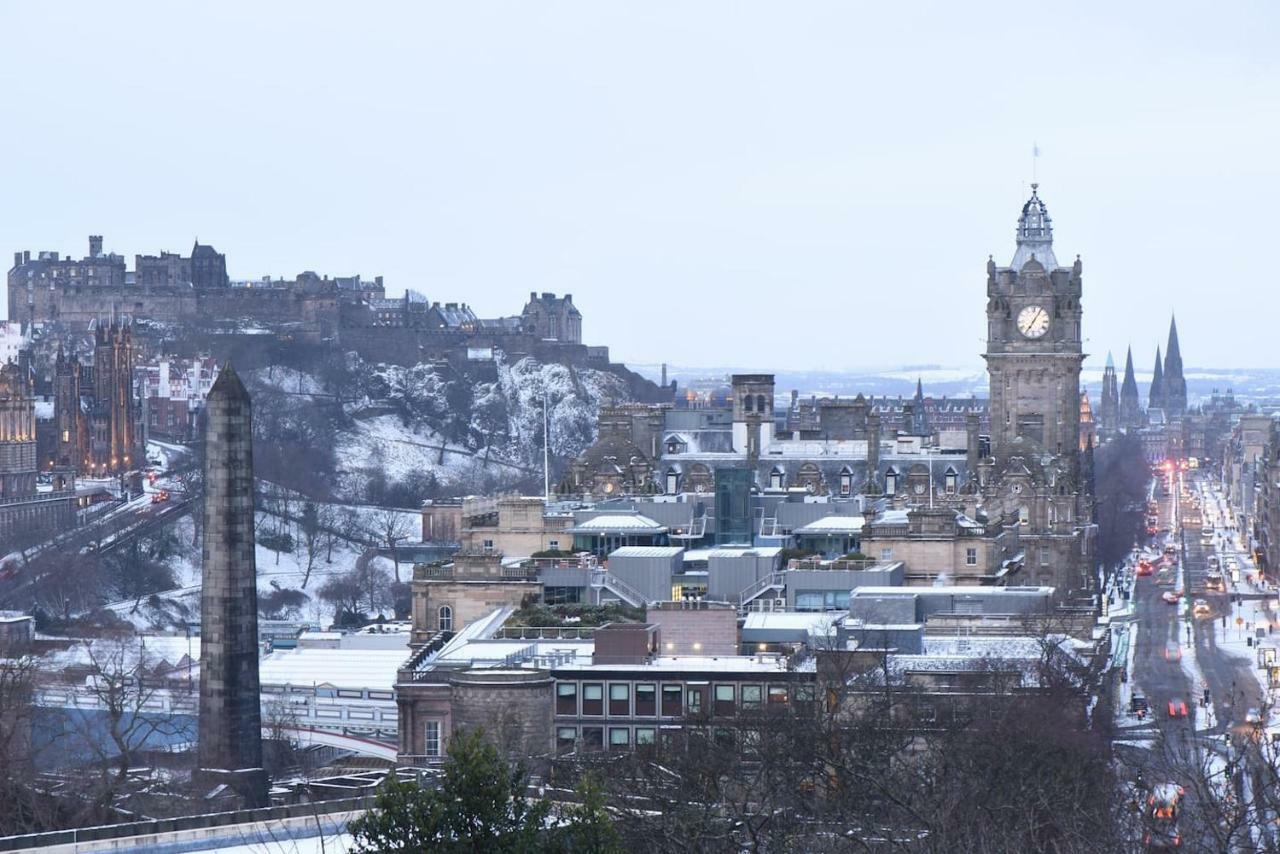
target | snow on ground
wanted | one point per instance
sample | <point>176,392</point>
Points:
<point>286,380</point>
<point>383,442</point>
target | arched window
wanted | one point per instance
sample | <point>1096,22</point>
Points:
<point>949,480</point>
<point>891,482</point>
<point>760,407</point>
<point>445,621</point>
<point>846,481</point>
<point>746,402</point>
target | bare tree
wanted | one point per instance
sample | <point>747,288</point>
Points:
<point>390,526</point>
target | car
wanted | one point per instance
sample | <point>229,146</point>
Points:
<point>1145,567</point>
<point>1161,817</point>
<point>1201,608</point>
<point>1172,652</point>
<point>1177,708</point>
<point>1214,581</point>
<point>1213,561</point>
<point>1138,705</point>
<point>1170,596</point>
<point>1170,549</point>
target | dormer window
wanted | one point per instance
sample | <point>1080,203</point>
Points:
<point>846,481</point>
<point>776,479</point>
<point>891,482</point>
<point>950,480</point>
<point>673,482</point>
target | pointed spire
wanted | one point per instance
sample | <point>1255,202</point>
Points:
<point>1156,397</point>
<point>1174,383</point>
<point>228,384</point>
<point>1110,362</point>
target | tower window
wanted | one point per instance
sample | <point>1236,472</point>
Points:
<point>444,620</point>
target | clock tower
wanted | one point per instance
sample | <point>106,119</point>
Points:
<point>1037,471</point>
<point>1033,343</point>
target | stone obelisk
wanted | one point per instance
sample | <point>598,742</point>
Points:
<point>230,744</point>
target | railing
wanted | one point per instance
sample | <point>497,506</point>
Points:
<point>419,760</point>
<point>583,561</point>
<point>546,633</point>
<point>603,578</point>
<point>815,563</point>
<point>774,580</point>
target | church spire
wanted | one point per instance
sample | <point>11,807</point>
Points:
<point>1156,398</point>
<point>1175,385</point>
<point>1129,406</point>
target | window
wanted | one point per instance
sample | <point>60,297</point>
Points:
<point>619,699</point>
<point>645,735</point>
<point>751,696</point>
<point>775,479</point>
<point>444,621</point>
<point>673,483</point>
<point>724,700</point>
<point>1024,515</point>
<point>822,600</point>
<point>748,403</point>
<point>970,557</point>
<point>846,482</point>
<point>619,738</point>
<point>593,738</point>
<point>693,700</point>
<point>886,554</point>
<point>553,545</point>
<point>431,739</point>
<point>891,482</point>
<point>760,404</point>
<point>672,700</point>
<point>566,738</point>
<point>1044,555</point>
<point>593,698</point>
<point>646,700</point>
<point>566,698</point>
<point>950,481</point>
<point>488,545</point>
<point>804,694</point>
<point>777,694</point>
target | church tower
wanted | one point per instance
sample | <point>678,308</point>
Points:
<point>1034,354</point>
<point>1130,407</point>
<point>1155,399</point>
<point>1175,386</point>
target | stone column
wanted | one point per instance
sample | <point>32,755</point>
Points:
<point>230,745</point>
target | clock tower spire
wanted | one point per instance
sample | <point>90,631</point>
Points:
<point>1033,342</point>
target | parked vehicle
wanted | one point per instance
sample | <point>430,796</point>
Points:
<point>1214,581</point>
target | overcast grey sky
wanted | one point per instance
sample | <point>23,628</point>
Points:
<point>757,184</point>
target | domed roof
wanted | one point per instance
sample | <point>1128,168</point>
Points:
<point>1035,234</point>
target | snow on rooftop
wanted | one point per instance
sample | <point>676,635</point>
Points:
<point>790,620</point>
<point>618,522</point>
<point>645,551</point>
<point>833,525</point>
<point>341,668</point>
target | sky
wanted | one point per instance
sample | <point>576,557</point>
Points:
<point>763,185</point>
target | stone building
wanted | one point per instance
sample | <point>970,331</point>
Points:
<point>554,318</point>
<point>1037,471</point>
<point>36,284</point>
<point>24,508</point>
<point>513,525</point>
<point>448,597</point>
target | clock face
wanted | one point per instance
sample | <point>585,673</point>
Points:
<point>1033,321</point>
